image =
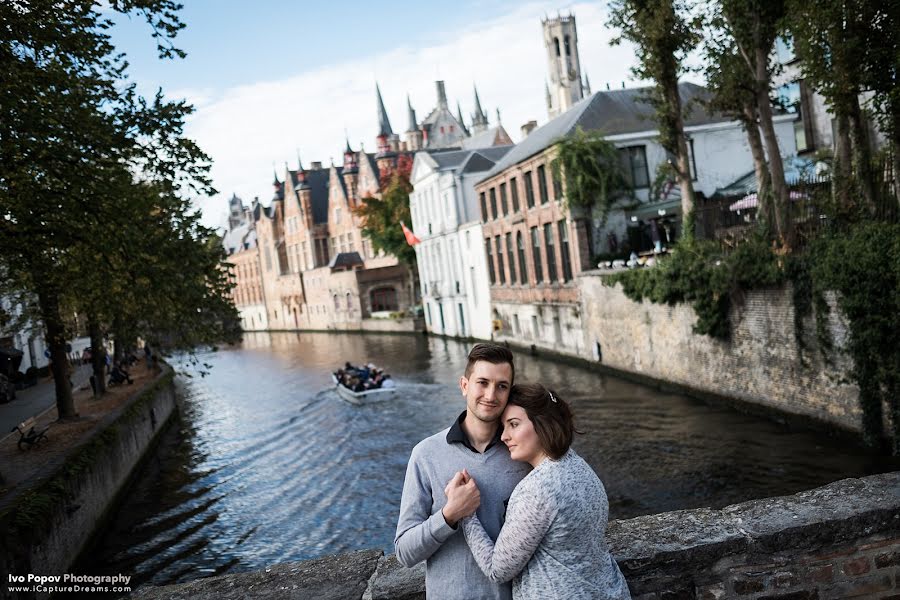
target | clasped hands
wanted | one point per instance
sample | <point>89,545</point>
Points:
<point>463,498</point>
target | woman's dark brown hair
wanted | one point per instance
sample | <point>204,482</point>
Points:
<point>551,416</point>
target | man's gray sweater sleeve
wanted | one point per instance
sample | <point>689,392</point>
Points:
<point>419,532</point>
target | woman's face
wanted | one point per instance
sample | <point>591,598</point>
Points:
<point>520,437</point>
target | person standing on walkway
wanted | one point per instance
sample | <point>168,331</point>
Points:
<point>430,511</point>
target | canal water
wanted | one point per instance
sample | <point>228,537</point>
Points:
<point>267,464</point>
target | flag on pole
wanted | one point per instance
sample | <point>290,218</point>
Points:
<point>411,238</point>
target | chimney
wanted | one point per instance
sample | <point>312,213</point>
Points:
<point>528,128</point>
<point>316,166</point>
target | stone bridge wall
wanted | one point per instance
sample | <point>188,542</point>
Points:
<point>835,542</point>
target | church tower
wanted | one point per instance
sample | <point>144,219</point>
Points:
<point>561,41</point>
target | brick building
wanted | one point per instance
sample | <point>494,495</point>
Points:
<point>309,265</point>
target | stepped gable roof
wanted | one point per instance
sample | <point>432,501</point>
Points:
<point>340,176</point>
<point>318,184</point>
<point>345,259</point>
<point>613,112</point>
<point>373,164</point>
<point>486,138</point>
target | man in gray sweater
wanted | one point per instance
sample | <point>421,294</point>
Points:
<point>429,516</point>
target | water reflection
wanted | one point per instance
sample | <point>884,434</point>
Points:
<point>267,464</point>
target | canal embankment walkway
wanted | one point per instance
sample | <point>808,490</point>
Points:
<point>36,400</point>
<point>55,496</point>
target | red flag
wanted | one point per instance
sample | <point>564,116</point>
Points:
<point>411,238</point>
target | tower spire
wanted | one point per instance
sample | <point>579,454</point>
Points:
<point>384,124</point>
<point>299,162</point>
<point>413,125</point>
<point>479,117</point>
<point>459,117</point>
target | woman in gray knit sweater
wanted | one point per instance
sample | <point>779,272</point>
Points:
<point>553,543</point>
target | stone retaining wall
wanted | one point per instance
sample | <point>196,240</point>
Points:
<point>763,364</point>
<point>46,526</point>
<point>835,542</point>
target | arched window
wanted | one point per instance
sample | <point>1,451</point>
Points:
<point>568,51</point>
<point>337,303</point>
<point>384,298</point>
<point>556,43</point>
<point>349,307</point>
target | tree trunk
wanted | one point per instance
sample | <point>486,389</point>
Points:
<point>862,155</point>
<point>763,181</point>
<point>59,360</point>
<point>895,169</point>
<point>776,168</point>
<point>841,164</point>
<point>98,356</point>
<point>682,160</point>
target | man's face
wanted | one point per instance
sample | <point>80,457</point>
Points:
<point>487,389</point>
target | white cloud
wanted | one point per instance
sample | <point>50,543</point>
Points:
<point>248,128</point>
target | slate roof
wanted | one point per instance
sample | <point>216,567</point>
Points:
<point>345,259</point>
<point>612,112</point>
<point>318,183</point>
<point>470,160</point>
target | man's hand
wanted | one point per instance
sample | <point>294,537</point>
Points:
<point>463,498</point>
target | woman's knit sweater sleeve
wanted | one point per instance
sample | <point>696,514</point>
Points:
<point>529,515</point>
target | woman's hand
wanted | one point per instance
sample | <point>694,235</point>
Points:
<point>463,498</point>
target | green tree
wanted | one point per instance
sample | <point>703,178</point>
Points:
<point>663,34</point>
<point>589,168</point>
<point>74,139</point>
<point>382,215</point>
<point>753,25</point>
<point>833,37</point>
<point>734,94</point>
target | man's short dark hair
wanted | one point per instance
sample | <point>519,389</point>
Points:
<point>492,353</point>
<point>550,415</point>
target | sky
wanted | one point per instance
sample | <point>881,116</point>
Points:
<point>272,78</point>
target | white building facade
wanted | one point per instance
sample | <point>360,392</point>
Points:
<point>451,256</point>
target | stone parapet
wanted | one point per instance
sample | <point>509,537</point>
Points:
<point>838,541</point>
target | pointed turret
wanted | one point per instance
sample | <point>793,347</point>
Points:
<point>459,117</point>
<point>413,136</point>
<point>279,187</point>
<point>479,117</point>
<point>350,165</point>
<point>441,94</point>
<point>384,124</point>
<point>413,124</point>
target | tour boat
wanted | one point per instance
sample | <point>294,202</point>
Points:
<point>360,398</point>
